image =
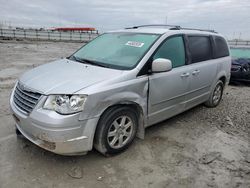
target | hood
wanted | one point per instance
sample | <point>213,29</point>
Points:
<point>240,61</point>
<point>65,77</point>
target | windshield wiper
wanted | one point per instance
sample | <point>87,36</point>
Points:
<point>87,61</point>
<point>77,59</point>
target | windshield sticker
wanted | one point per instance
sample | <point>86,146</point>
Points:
<point>134,44</point>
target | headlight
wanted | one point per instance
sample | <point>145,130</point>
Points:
<point>65,104</point>
<point>235,68</point>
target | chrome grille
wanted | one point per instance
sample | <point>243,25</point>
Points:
<point>24,99</point>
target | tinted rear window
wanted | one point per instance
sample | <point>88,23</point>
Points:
<point>221,49</point>
<point>200,48</point>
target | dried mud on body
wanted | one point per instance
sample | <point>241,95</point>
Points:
<point>203,147</point>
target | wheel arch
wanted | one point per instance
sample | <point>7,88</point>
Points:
<point>220,76</point>
<point>139,112</point>
<point>223,79</point>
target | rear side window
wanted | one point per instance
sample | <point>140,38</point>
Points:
<point>172,49</point>
<point>200,48</point>
<point>221,48</point>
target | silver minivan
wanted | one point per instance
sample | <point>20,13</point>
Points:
<point>111,89</point>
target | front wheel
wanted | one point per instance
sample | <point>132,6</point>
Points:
<point>116,130</point>
<point>216,95</point>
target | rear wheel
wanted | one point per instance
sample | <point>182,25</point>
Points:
<point>116,130</point>
<point>216,95</point>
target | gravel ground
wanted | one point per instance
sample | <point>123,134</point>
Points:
<point>203,147</point>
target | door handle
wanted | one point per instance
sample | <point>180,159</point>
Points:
<point>186,74</point>
<point>195,72</point>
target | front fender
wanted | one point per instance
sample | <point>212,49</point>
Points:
<point>131,91</point>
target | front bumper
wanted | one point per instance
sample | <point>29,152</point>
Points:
<point>240,76</point>
<point>61,134</point>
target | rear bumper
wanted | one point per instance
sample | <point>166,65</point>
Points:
<point>61,134</point>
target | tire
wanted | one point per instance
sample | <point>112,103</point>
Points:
<point>216,95</point>
<point>116,130</point>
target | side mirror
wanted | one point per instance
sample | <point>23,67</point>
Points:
<point>161,65</point>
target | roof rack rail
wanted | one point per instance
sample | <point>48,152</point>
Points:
<point>172,27</point>
<point>155,25</point>
<point>208,30</point>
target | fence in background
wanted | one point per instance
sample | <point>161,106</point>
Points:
<point>48,35</point>
<point>51,35</point>
<point>239,43</point>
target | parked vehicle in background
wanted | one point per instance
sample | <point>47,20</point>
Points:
<point>115,86</point>
<point>240,69</point>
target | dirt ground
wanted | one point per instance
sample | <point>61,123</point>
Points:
<point>203,147</point>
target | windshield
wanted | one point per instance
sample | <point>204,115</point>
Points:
<point>116,50</point>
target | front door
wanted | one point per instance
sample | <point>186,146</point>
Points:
<point>167,90</point>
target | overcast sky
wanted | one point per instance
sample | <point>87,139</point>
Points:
<point>229,17</point>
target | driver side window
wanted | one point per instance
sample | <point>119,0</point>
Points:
<point>172,49</point>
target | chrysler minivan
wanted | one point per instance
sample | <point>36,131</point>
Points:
<point>112,88</point>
